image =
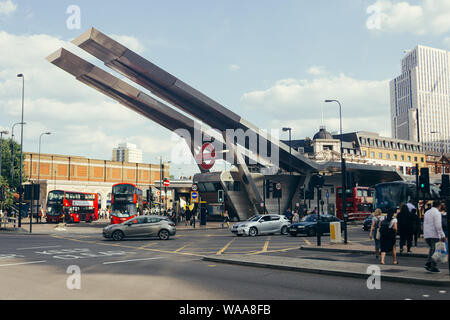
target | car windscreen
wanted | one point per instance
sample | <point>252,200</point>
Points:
<point>309,218</point>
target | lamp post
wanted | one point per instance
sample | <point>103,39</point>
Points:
<point>343,173</point>
<point>20,75</point>
<point>39,162</point>
<point>290,166</point>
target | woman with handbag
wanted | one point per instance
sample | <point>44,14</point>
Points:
<point>375,230</point>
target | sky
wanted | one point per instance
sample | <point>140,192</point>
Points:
<point>271,62</point>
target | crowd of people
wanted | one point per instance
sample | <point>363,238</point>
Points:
<point>406,223</point>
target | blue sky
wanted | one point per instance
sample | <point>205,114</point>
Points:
<point>272,62</point>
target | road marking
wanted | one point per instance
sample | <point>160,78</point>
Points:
<point>133,260</point>
<point>308,242</point>
<point>179,249</point>
<point>225,248</point>
<point>148,245</point>
<point>266,244</point>
<point>38,247</point>
<point>21,263</point>
<point>442,291</point>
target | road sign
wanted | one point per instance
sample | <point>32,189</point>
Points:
<point>194,187</point>
<point>278,186</point>
<point>166,183</point>
<point>194,197</point>
<point>207,156</point>
<point>327,194</point>
<point>158,193</point>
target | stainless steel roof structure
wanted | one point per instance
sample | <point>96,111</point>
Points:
<point>178,93</point>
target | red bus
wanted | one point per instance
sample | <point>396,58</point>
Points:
<point>359,202</point>
<point>71,206</point>
<point>126,202</point>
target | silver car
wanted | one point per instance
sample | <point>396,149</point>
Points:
<point>142,226</point>
<point>262,224</point>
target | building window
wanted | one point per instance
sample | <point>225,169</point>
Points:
<point>372,154</point>
<point>415,159</point>
<point>395,157</point>
<point>380,155</point>
<point>371,142</point>
<point>403,158</point>
<point>421,159</point>
<point>364,153</point>
<point>363,141</point>
<point>388,156</point>
<point>409,158</point>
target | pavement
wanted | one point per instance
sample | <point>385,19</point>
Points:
<point>329,263</point>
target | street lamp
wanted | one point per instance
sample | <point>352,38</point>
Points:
<point>343,173</point>
<point>20,75</point>
<point>290,166</point>
<point>39,161</point>
<point>12,150</point>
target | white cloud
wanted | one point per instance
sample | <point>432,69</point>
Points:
<point>365,104</point>
<point>316,70</point>
<point>82,120</point>
<point>131,43</point>
<point>427,17</point>
<point>233,67</point>
<point>7,7</point>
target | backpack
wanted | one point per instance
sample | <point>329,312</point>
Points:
<point>384,228</point>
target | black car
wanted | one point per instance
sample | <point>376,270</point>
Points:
<point>367,224</point>
<point>308,225</point>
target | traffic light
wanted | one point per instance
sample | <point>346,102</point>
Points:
<point>445,186</point>
<point>302,193</point>
<point>317,181</point>
<point>424,181</point>
<point>220,196</point>
<point>269,188</point>
<point>31,192</point>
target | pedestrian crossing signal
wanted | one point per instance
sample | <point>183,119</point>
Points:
<point>220,196</point>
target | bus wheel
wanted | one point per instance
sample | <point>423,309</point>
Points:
<point>117,235</point>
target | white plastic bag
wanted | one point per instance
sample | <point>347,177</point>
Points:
<point>440,253</point>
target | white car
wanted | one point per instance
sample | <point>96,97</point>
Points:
<point>262,224</point>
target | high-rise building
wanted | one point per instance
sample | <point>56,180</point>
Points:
<point>420,99</point>
<point>127,152</point>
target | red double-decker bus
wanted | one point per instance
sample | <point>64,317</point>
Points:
<point>359,202</point>
<point>126,202</point>
<point>71,206</point>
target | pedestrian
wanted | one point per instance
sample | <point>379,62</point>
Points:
<point>374,230</point>
<point>433,233</point>
<point>444,219</point>
<point>417,225</point>
<point>288,213</point>
<point>226,219</point>
<point>295,217</point>
<point>388,232</point>
<point>188,217</point>
<point>405,228</point>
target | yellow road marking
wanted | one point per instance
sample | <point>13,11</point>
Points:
<point>266,244</point>
<point>179,249</point>
<point>225,247</point>
<point>308,242</point>
<point>148,245</point>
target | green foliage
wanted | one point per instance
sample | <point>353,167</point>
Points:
<point>10,178</point>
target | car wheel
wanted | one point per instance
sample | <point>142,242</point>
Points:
<point>117,235</point>
<point>311,232</point>
<point>163,235</point>
<point>253,232</point>
<point>284,230</point>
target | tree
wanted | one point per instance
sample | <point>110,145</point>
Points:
<point>10,177</point>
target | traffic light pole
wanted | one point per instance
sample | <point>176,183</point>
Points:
<point>344,196</point>
<point>318,220</point>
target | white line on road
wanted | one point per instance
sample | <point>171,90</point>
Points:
<point>38,247</point>
<point>21,263</point>
<point>123,261</point>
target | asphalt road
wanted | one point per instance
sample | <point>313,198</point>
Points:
<point>46,267</point>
